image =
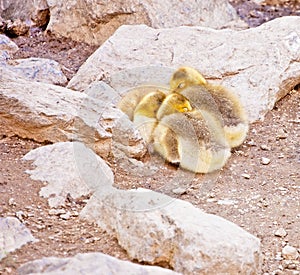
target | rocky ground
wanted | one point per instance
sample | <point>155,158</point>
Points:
<point>258,189</point>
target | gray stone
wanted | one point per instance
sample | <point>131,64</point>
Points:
<point>69,168</point>
<point>94,21</point>
<point>89,264</point>
<point>37,69</point>
<point>46,112</point>
<point>13,235</point>
<point>260,65</point>
<point>155,228</point>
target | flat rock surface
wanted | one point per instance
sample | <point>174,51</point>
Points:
<point>50,113</point>
<point>89,264</point>
<point>155,228</point>
<point>38,69</point>
<point>93,22</point>
<point>70,169</point>
<point>260,65</point>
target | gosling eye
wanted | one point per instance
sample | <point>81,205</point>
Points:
<point>181,85</point>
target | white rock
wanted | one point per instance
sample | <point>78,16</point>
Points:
<point>89,264</point>
<point>265,147</point>
<point>99,19</point>
<point>245,175</point>
<point>37,69</point>
<point>12,202</point>
<point>54,212</point>
<point>280,232</point>
<point>265,161</point>
<point>46,112</point>
<point>260,65</point>
<point>13,235</point>
<point>226,202</point>
<point>290,253</point>
<point>68,168</point>
<point>65,216</point>
<point>155,228</point>
<point>179,191</point>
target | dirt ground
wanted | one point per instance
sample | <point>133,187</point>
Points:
<point>261,198</point>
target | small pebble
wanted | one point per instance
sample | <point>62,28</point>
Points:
<point>288,264</point>
<point>281,134</point>
<point>290,253</point>
<point>246,176</point>
<point>20,215</point>
<point>265,161</point>
<point>265,147</point>
<point>278,256</point>
<point>11,202</point>
<point>179,191</point>
<point>53,212</point>
<point>65,216</point>
<point>226,202</point>
<point>251,142</point>
<point>280,232</point>
<point>75,214</point>
<point>136,162</point>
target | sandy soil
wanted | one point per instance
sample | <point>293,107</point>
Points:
<point>261,198</point>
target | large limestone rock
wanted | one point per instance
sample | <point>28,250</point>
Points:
<point>94,21</point>
<point>29,12</point>
<point>261,64</point>
<point>153,228</point>
<point>50,113</point>
<point>89,264</point>
<point>13,235</point>
<point>81,171</point>
<point>35,69</point>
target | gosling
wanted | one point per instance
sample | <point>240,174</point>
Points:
<point>190,137</point>
<point>144,115</point>
<point>188,81</point>
<point>132,98</point>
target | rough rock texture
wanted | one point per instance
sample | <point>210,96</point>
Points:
<point>36,69</point>
<point>89,264</point>
<point>94,21</point>
<point>7,45</point>
<point>261,64</point>
<point>13,234</point>
<point>80,171</point>
<point>26,11</point>
<point>50,113</point>
<point>155,228</point>
<point>152,227</point>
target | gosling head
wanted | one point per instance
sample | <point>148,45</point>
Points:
<point>184,77</point>
<point>174,103</point>
<point>150,103</point>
